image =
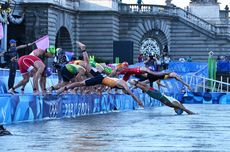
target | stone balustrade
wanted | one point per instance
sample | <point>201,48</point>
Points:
<point>174,12</point>
<point>69,4</point>
<point>132,8</point>
<point>113,5</point>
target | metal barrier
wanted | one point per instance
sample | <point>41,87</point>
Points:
<point>202,84</point>
<point>21,108</point>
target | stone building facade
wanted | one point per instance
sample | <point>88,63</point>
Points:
<point>99,23</point>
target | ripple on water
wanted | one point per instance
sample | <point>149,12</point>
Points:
<point>157,129</point>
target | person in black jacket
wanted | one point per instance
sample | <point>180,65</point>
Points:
<point>11,57</point>
<point>139,3</point>
<point>59,61</point>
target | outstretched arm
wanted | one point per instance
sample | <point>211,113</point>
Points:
<point>58,86</point>
<point>173,103</point>
<point>125,86</point>
<point>159,74</point>
<point>23,46</point>
<point>174,75</point>
<point>71,86</point>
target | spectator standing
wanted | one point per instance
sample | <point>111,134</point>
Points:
<point>139,3</point>
<point>189,59</point>
<point>11,57</point>
<point>166,60</point>
<point>140,58</point>
<point>165,49</point>
<point>59,61</point>
<point>150,62</point>
<point>158,63</point>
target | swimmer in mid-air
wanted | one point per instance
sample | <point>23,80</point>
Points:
<point>99,78</point>
<point>144,73</point>
<point>168,101</point>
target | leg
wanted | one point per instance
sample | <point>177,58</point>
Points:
<point>43,83</point>
<point>12,74</point>
<point>23,82</point>
<point>81,45</point>
<point>40,68</point>
<point>168,101</point>
<point>23,89</point>
<point>87,64</point>
<point>85,54</point>
<point>59,77</point>
<point>86,60</point>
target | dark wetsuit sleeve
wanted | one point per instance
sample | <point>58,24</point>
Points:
<point>153,78</point>
<point>158,76</point>
<point>95,80</point>
<point>94,72</point>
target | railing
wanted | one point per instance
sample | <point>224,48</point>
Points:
<point>176,12</point>
<point>202,84</point>
<point>132,8</point>
<point>196,20</point>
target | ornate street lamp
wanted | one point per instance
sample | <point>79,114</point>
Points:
<point>6,15</point>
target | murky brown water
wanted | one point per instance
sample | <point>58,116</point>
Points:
<point>157,129</point>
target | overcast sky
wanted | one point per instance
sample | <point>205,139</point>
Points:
<point>180,3</point>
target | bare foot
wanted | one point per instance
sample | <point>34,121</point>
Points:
<point>81,45</point>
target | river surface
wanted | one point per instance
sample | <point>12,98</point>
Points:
<point>157,129</point>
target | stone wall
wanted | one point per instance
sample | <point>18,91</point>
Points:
<point>98,30</point>
<point>49,19</point>
<point>134,28</point>
<point>189,41</point>
<point>36,21</point>
<point>62,21</point>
